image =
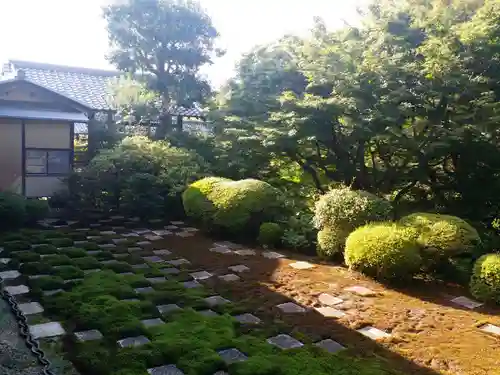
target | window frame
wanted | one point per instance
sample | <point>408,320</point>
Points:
<point>47,151</point>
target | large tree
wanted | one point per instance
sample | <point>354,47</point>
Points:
<point>167,41</point>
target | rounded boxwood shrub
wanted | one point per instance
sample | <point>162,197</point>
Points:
<point>383,250</point>
<point>234,207</point>
<point>62,242</point>
<point>46,249</point>
<point>270,234</point>
<point>36,209</point>
<point>485,280</point>
<point>442,236</point>
<point>331,242</point>
<point>12,210</point>
<point>26,256</point>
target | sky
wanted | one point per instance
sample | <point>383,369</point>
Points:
<point>72,32</point>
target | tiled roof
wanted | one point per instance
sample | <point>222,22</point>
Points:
<point>88,87</point>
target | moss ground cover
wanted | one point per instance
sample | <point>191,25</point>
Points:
<point>107,300</point>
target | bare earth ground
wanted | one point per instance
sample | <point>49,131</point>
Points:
<point>429,334</point>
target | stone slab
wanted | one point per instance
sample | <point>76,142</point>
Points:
<point>361,291</point>
<point>146,289</point>
<point>131,234</point>
<point>330,312</point>
<point>143,243</point>
<point>272,255</point>
<point>283,341</point>
<point>209,313</point>
<point>52,292</point>
<point>162,232</point>
<point>110,261</point>
<point>229,278</point>
<point>107,246</point>
<point>140,266</point>
<point>373,333</point>
<point>191,284</point>
<point>170,271</point>
<point>30,308</point>
<point>178,262</point>
<point>229,244</point>
<point>216,301</point>
<point>329,300</point>
<point>141,231</point>
<point>9,275</point>
<point>93,252</point>
<point>107,232</point>
<point>126,274</point>
<point>201,275</point>
<point>177,222</point>
<point>162,252</point>
<point>5,260</point>
<point>220,250</point>
<point>86,272</point>
<point>490,328</point>
<point>184,234</point>
<point>171,227</point>
<point>83,242</point>
<point>134,249</point>
<point>152,322</point>
<point>191,229</point>
<point>91,335</point>
<point>133,341</point>
<point>245,252</point>
<point>51,329</point>
<point>302,265</point>
<point>93,237</point>
<point>239,268</point>
<point>120,255</point>
<point>291,308</point>
<point>17,290</point>
<point>118,241</point>
<point>153,259</point>
<point>166,309</point>
<point>156,280</point>
<point>165,370</point>
<point>233,355</point>
<point>247,319</point>
<point>152,237</point>
<point>330,345</point>
<point>467,302</point>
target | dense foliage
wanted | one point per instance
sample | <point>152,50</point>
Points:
<point>16,211</point>
<point>485,281</point>
<point>270,234</point>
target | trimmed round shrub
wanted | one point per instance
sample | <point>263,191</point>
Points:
<point>12,210</point>
<point>270,234</point>
<point>331,242</point>
<point>485,280</point>
<point>442,236</point>
<point>234,207</point>
<point>348,209</point>
<point>36,209</point>
<point>383,250</point>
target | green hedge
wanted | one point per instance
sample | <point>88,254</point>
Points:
<point>331,242</point>
<point>270,234</point>
<point>485,280</point>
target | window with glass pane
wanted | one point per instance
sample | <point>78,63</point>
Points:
<point>54,162</point>
<point>58,162</point>
<point>36,162</point>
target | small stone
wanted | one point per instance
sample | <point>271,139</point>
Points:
<point>291,308</point>
<point>229,244</point>
<point>52,292</point>
<point>93,252</point>
<point>216,301</point>
<point>30,308</point>
<point>133,341</point>
<point>86,272</point>
<point>143,243</point>
<point>17,290</point>
<point>141,231</point>
<point>490,328</point>
<point>153,259</point>
<point>373,333</point>
<point>220,250</point>
<point>247,319</point>
<point>330,345</point>
<point>9,275</point>
<point>170,271</point>
<point>245,252</point>
<point>466,302</point>
<point>152,237</point>
<point>171,227</point>
<point>162,252</point>
<point>46,330</point>
<point>184,234</point>
<point>107,246</point>
<point>272,255</point>
<point>191,284</point>
<point>72,281</point>
<point>329,300</point>
<point>178,262</point>
<point>302,265</point>
<point>156,280</point>
<point>111,261</point>
<point>139,266</point>
<point>131,234</point>
<point>361,291</point>
<point>233,355</point>
<point>283,341</point>
<point>107,232</point>
<point>330,312</point>
<point>190,229</point>
<point>165,370</point>
<point>162,232</point>
<point>4,260</point>
<point>134,249</point>
<point>201,275</point>
<point>208,313</point>
<point>230,277</point>
<point>166,309</point>
<point>93,237</point>
<point>91,335</point>
<point>152,322</point>
<point>177,222</point>
<point>239,268</point>
<point>144,290</point>
<point>118,241</point>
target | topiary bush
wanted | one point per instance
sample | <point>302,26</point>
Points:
<point>270,234</point>
<point>36,209</point>
<point>12,210</point>
<point>331,242</point>
<point>485,280</point>
<point>383,250</point>
<point>233,207</point>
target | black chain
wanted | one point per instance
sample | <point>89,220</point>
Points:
<point>22,322</point>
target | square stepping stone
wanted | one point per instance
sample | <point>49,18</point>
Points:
<point>30,308</point>
<point>283,341</point>
<point>184,234</point>
<point>239,268</point>
<point>126,274</point>
<point>170,271</point>
<point>247,319</point>
<point>86,272</point>
<point>201,275</point>
<point>166,309</point>
<point>107,232</point>
<point>93,252</point>
<point>134,249</point>
<point>190,229</point>
<point>133,341</point>
<point>330,345</point>
<point>118,241</point>
<point>95,225</point>
<point>272,255</point>
<point>111,261</point>
<point>143,243</point>
<point>162,232</point>
<point>34,277</point>
<point>220,250</point>
<point>229,244</point>
<point>330,312</point>
<point>466,302</point>
<point>245,252</point>
<point>216,301</point>
<point>78,243</point>
<point>152,322</point>
<point>152,237</point>
<point>82,229</point>
<point>361,291</point>
<point>17,290</point>
<point>191,284</point>
<point>156,280</point>
<point>153,259</point>
<point>131,300</point>
<point>9,275</point>
<point>165,370</point>
<point>120,255</point>
<point>4,260</point>
<point>208,313</point>
<point>490,328</point>
<point>51,329</point>
<point>52,292</point>
<point>291,308</point>
<point>230,277</point>
<point>171,227</point>
<point>107,246</point>
<point>93,237</point>
<point>233,355</point>
<point>141,231</point>
<point>139,266</point>
<point>91,335</point>
<point>162,252</point>
<point>302,265</point>
<point>131,234</point>
<point>329,300</point>
<point>143,290</point>
<point>178,262</point>
<point>118,227</point>
<point>178,222</point>
<point>373,333</point>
